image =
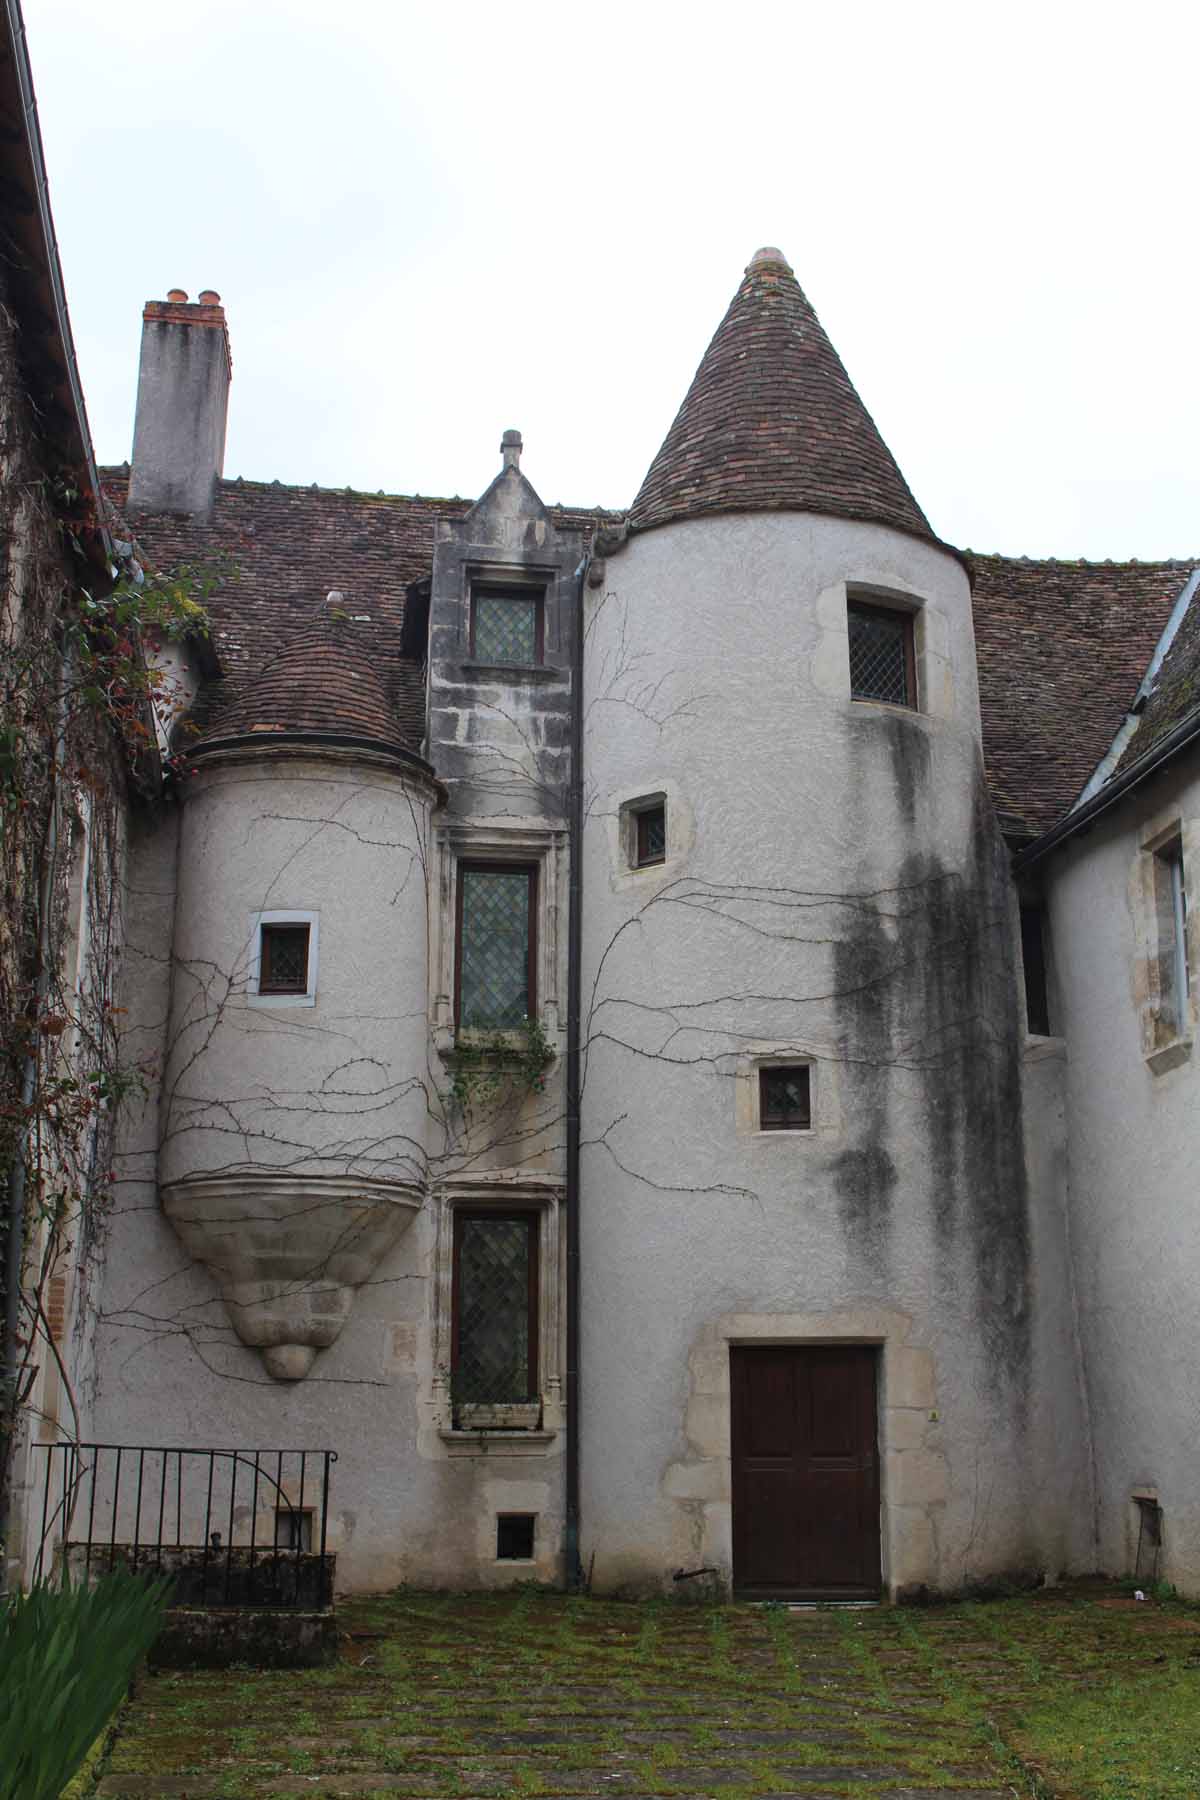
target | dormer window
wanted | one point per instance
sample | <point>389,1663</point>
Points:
<point>507,625</point>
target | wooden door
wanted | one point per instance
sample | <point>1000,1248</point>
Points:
<point>805,1472</point>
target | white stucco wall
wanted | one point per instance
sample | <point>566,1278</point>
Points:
<point>1133,1103</point>
<point>832,889</point>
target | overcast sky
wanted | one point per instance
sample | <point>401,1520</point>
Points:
<point>430,222</point>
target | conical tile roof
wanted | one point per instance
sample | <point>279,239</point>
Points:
<point>772,422</point>
<point>325,682</point>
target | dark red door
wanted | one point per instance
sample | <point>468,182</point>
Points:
<point>805,1473</point>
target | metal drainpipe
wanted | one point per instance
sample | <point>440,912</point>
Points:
<point>14,1248</point>
<point>574,1563</point>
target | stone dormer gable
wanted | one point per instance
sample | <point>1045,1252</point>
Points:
<point>509,513</point>
<point>772,422</point>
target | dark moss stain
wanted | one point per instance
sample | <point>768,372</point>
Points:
<point>927,994</point>
<point>910,761</point>
<point>864,1173</point>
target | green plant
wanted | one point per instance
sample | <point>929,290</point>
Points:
<point>66,1659</point>
<point>488,1061</point>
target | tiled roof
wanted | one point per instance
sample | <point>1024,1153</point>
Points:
<point>1062,650</point>
<point>772,421</point>
<point>1176,690</point>
<point>1062,646</point>
<point>282,550</point>
<point>324,680</point>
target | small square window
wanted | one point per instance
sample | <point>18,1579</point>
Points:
<point>785,1097</point>
<point>293,1528</point>
<point>506,625</point>
<point>882,664</point>
<point>650,835</point>
<point>514,1537</point>
<point>283,959</point>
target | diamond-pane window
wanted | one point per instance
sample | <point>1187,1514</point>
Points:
<point>506,625</point>
<point>881,654</point>
<point>495,945</point>
<point>283,960</point>
<point>495,1308</point>
<point>651,828</point>
<point>784,1098</point>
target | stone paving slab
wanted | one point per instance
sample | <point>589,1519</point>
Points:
<point>528,1693</point>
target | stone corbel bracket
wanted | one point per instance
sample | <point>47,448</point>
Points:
<point>288,1251</point>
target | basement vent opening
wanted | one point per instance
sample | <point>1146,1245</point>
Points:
<point>293,1528</point>
<point>514,1537</point>
<point>1149,1542</point>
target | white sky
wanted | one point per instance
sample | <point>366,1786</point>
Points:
<point>431,222</point>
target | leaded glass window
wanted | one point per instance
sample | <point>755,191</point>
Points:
<point>784,1098</point>
<point>495,1308</point>
<point>283,960</point>
<point>881,654</point>
<point>495,945</point>
<point>506,625</point>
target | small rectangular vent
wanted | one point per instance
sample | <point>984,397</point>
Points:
<point>514,1537</point>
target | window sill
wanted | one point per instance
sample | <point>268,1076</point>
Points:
<point>481,1048</point>
<point>497,1443</point>
<point>281,999</point>
<point>1169,1056</point>
<point>1037,1048</point>
<point>785,1131</point>
<point>533,672</point>
<point>892,706</point>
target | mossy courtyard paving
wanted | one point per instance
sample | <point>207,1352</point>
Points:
<point>1083,1694</point>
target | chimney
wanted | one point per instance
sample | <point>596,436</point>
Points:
<point>183,393</point>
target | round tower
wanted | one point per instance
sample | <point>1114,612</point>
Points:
<point>294,1099</point>
<point>807,1342</point>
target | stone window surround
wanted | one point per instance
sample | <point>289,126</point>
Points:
<point>829,666</point>
<point>283,917</point>
<point>914,1479</point>
<point>1164,1048</point>
<point>500,1194</point>
<point>621,821</point>
<point>459,840</point>
<point>825,1115</point>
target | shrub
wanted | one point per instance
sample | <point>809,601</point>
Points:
<point>67,1655</point>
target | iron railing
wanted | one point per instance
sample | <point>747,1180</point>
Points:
<point>230,1527</point>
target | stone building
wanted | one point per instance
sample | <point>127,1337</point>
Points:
<point>671,1029</point>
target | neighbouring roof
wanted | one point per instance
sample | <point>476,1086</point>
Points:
<point>772,422</point>
<point>281,551</point>
<point>34,292</point>
<point>1062,650</point>
<point>1175,692</point>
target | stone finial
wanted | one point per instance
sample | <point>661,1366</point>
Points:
<point>768,257</point>
<point>511,448</point>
